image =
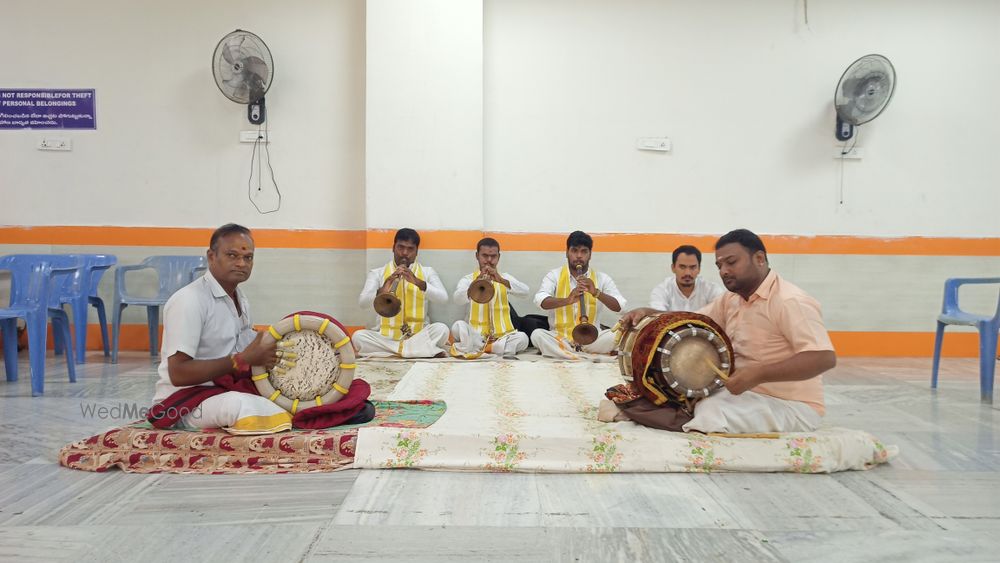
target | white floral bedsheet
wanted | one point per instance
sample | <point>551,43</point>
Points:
<point>542,417</point>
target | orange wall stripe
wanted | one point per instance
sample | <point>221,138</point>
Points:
<point>901,344</point>
<point>847,344</point>
<point>466,240</point>
<point>176,236</point>
<point>277,238</point>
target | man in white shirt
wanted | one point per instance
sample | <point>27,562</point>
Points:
<point>409,333</point>
<point>685,290</point>
<point>489,329</point>
<point>207,333</point>
<point>561,293</point>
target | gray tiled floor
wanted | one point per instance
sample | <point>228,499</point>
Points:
<point>938,501</point>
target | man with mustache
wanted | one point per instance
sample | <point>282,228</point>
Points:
<point>779,340</point>
<point>489,328</point>
<point>408,334</point>
<point>685,290</point>
<point>561,293</point>
<point>207,334</point>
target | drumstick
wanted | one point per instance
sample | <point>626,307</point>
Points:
<point>717,371</point>
<point>763,435</point>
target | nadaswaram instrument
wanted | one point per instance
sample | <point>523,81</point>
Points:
<point>387,304</point>
<point>315,366</point>
<point>677,357</point>
<point>481,290</point>
<point>584,332</point>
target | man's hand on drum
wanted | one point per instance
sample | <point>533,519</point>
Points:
<point>744,379</point>
<point>259,353</point>
<point>633,317</point>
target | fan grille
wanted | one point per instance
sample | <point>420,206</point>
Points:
<point>864,90</point>
<point>242,67</point>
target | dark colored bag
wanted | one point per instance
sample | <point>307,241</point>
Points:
<point>528,323</point>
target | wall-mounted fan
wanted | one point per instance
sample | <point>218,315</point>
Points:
<point>243,69</point>
<point>862,93</point>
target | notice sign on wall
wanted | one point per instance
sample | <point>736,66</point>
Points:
<point>47,109</point>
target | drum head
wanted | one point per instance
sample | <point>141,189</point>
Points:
<point>678,356</point>
<point>690,360</point>
<point>315,370</point>
<point>315,366</point>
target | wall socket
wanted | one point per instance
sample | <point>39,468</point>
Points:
<point>55,144</point>
<point>661,144</point>
<point>251,136</point>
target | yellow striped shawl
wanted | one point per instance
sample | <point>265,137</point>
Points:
<point>413,300</point>
<point>569,316</point>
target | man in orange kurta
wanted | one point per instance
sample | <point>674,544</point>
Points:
<point>779,340</point>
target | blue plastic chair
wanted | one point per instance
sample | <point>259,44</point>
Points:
<point>988,328</point>
<point>79,291</point>
<point>35,281</point>
<point>173,273</point>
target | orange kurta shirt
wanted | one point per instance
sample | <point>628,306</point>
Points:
<point>777,322</point>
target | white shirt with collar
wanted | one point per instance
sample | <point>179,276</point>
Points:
<point>201,320</point>
<point>667,296</point>
<point>435,292</point>
<point>551,281</point>
<point>461,295</point>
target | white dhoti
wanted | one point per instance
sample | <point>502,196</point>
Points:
<point>239,413</point>
<point>427,343</point>
<point>470,341</point>
<point>751,412</point>
<point>551,345</point>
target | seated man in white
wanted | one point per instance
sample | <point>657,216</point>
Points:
<point>207,333</point>
<point>685,290</point>
<point>408,334</point>
<point>561,294</point>
<point>489,329</point>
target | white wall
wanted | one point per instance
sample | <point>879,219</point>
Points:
<point>166,151</point>
<point>424,114</point>
<point>564,87</point>
<point>744,90</point>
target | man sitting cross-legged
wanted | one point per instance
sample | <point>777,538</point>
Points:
<point>408,334</point>
<point>563,291</point>
<point>207,333</point>
<point>489,329</point>
<point>780,344</point>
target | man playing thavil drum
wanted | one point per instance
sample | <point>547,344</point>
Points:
<point>406,332</point>
<point>489,328</point>
<point>573,295</point>
<point>780,343</point>
<point>207,333</point>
